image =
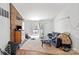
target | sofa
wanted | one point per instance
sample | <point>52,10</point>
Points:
<point>54,40</point>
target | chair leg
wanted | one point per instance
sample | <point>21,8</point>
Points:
<point>42,44</point>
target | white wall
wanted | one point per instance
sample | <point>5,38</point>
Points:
<point>4,27</point>
<point>48,26</point>
<point>30,25</point>
<point>65,24</point>
<point>26,26</point>
<point>23,32</point>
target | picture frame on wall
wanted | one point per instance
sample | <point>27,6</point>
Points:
<point>4,13</point>
<point>0,11</point>
<point>7,14</point>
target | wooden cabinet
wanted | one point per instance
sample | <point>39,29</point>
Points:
<point>17,37</point>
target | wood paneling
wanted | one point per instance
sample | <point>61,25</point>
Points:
<point>14,21</point>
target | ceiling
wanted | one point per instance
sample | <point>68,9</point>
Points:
<point>37,11</point>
